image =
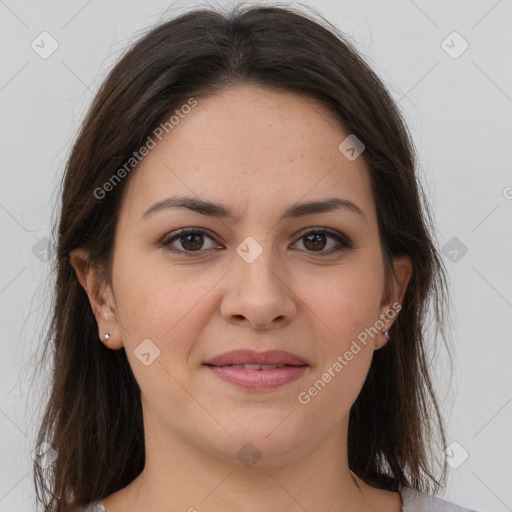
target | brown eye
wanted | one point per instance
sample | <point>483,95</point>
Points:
<point>190,240</point>
<point>317,241</point>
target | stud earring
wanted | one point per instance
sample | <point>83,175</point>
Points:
<point>386,333</point>
<point>106,336</point>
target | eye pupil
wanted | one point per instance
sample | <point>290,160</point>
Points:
<point>315,238</point>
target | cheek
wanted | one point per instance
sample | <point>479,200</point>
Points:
<point>160,302</point>
<point>344,303</point>
<point>342,314</point>
<point>157,302</point>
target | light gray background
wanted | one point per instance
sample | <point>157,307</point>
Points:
<point>459,111</point>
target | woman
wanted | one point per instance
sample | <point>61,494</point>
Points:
<point>243,231</point>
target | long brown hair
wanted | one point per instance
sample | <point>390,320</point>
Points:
<point>93,418</point>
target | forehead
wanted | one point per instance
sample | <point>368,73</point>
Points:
<point>251,145</point>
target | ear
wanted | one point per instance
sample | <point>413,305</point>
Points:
<point>100,296</point>
<point>394,294</point>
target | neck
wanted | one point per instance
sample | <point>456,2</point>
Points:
<point>185,477</point>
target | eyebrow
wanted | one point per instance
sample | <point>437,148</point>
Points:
<point>213,209</point>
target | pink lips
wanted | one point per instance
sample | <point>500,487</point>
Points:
<point>257,370</point>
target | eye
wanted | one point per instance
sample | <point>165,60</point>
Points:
<point>315,240</point>
<point>191,241</point>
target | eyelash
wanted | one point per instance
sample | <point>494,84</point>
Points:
<point>342,240</point>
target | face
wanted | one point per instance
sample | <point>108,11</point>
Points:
<point>308,283</point>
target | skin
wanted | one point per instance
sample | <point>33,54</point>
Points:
<point>256,151</point>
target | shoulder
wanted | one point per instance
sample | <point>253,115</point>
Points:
<point>415,501</point>
<point>96,506</point>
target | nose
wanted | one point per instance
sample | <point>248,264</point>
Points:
<point>258,294</point>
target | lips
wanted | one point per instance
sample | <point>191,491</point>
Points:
<point>257,371</point>
<point>257,360</point>
<point>255,366</point>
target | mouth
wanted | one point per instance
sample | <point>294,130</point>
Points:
<point>257,371</point>
<point>253,366</point>
<point>251,357</point>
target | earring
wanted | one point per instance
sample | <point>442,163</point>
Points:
<point>106,336</point>
<point>386,333</point>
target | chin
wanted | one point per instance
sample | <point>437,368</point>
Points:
<point>267,443</point>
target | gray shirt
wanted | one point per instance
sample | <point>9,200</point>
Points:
<point>413,501</point>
